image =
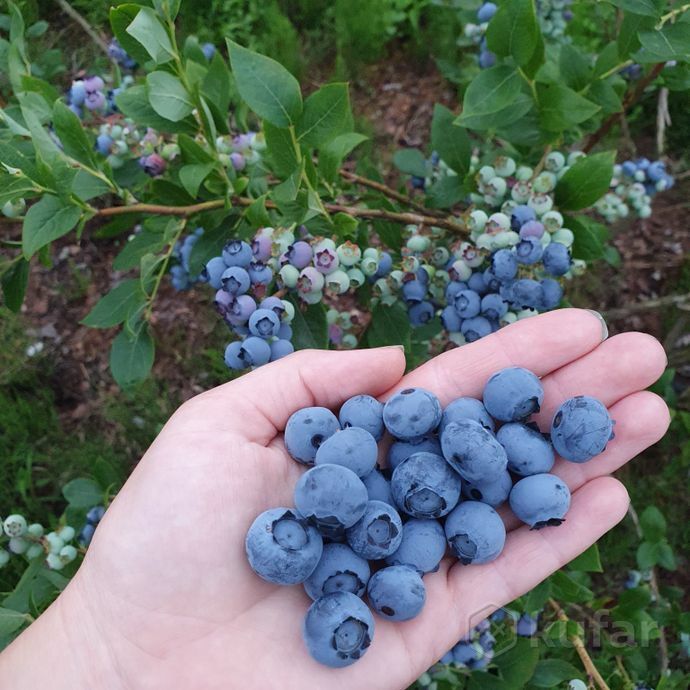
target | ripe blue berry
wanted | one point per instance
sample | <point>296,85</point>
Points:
<point>475,532</point>
<point>401,450</point>
<point>340,569</point>
<point>377,533</point>
<point>282,548</point>
<point>281,348</point>
<point>581,428</point>
<point>363,412</point>
<point>232,357</point>
<point>527,450</point>
<point>422,546</point>
<point>378,487</point>
<point>306,430</point>
<point>513,394</point>
<point>540,500</point>
<point>353,448</point>
<point>493,493</point>
<point>421,313</point>
<point>528,251</point>
<point>467,303</point>
<point>235,280</point>
<point>338,629</point>
<point>425,486</point>
<point>255,351</point>
<point>331,497</point>
<point>214,272</point>
<point>556,259</point>
<point>551,294</point>
<point>473,451</point>
<point>520,215</point>
<point>476,328</point>
<point>237,253</point>
<point>264,323</point>
<point>504,265</point>
<point>526,625</point>
<point>411,413</point>
<point>397,592</point>
<point>466,408</point>
<point>494,306</point>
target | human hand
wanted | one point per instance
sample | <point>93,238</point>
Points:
<point>165,597</point>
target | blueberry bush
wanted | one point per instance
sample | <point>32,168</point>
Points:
<point>226,178</point>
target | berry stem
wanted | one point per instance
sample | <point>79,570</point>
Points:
<point>580,648</point>
<point>630,99</point>
<point>355,212</point>
<point>390,193</point>
<point>88,29</point>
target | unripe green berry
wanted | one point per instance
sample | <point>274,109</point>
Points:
<point>68,553</point>
<point>524,173</point>
<point>410,264</point>
<point>371,253</point>
<point>331,316</point>
<point>15,525</point>
<point>4,558</point>
<point>418,243</point>
<point>357,278</point>
<point>289,313</point>
<point>564,236</point>
<point>381,287</point>
<point>35,530</point>
<point>396,278</point>
<point>486,173</point>
<point>337,282</point>
<point>554,161</point>
<point>14,208</point>
<point>66,533</point>
<point>54,562</point>
<point>54,542</point>
<point>34,551</point>
<point>504,166</point>
<point>552,221</point>
<point>477,220</point>
<point>289,274</point>
<point>369,265</point>
<point>18,545</point>
<point>312,297</point>
<point>349,253</point>
<point>349,341</point>
<point>440,256</point>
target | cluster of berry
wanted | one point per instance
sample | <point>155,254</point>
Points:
<point>553,16</point>
<point>477,33</point>
<point>448,464</point>
<point>341,326</point>
<point>93,518</point>
<point>91,94</point>
<point>120,55</point>
<point>180,275</point>
<point>634,184</point>
<point>241,150</point>
<point>32,542</point>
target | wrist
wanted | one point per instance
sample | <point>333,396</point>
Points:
<point>62,650</point>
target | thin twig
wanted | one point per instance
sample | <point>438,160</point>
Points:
<point>355,212</point>
<point>630,99</point>
<point>654,586</point>
<point>580,648</point>
<point>390,193</point>
<point>79,19</point>
<point>646,305</point>
<point>663,120</point>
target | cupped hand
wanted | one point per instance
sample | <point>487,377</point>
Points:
<point>165,597</point>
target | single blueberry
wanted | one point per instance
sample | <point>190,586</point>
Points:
<point>540,500</point>
<point>581,428</point>
<point>377,533</point>
<point>475,532</point>
<point>527,450</point>
<point>340,569</point>
<point>411,413</point>
<point>353,448</point>
<point>473,451</point>
<point>397,592</point>
<point>306,430</point>
<point>422,547</point>
<point>513,394</point>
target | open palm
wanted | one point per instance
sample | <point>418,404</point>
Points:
<point>165,597</point>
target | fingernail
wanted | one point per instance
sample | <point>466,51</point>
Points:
<point>604,327</point>
<point>396,347</point>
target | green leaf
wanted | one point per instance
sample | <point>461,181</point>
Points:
<point>589,242</point>
<point>514,30</point>
<point>115,306</point>
<point>309,327</point>
<point>603,94</point>
<point>131,357</point>
<point>537,597</point>
<point>607,59</point>
<point>648,8</point>
<point>486,681</point>
<point>586,182</point>
<point>653,524</point>
<point>634,599</point>
<point>588,561</point>
<point>168,96</point>
<point>628,42</point>
<point>148,30</point>
<point>517,664</point>
<point>144,243</point>
<point>327,114</point>
<point>647,555</point>
<point>120,18</point>
<point>450,141</point>
<point>11,620</point>
<point>191,176</point>
<point>489,93</point>
<point>410,161</point>
<point>446,192</point>
<point>566,588</point>
<point>216,85</point>
<point>45,221</point>
<point>82,493</point>
<point>331,155</point>
<point>550,673</point>
<point>134,103</point>
<point>281,150</point>
<point>87,186</point>
<point>266,86</point>
<point>665,556</point>
<point>14,282</point>
<point>574,67</point>
<point>561,107</point>
<point>389,326</point>
<point>72,135</point>
<point>672,42</point>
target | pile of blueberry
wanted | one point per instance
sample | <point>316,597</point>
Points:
<point>91,95</point>
<point>93,518</point>
<point>31,541</point>
<point>356,529</point>
<point>180,275</point>
<point>553,16</point>
<point>634,184</point>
